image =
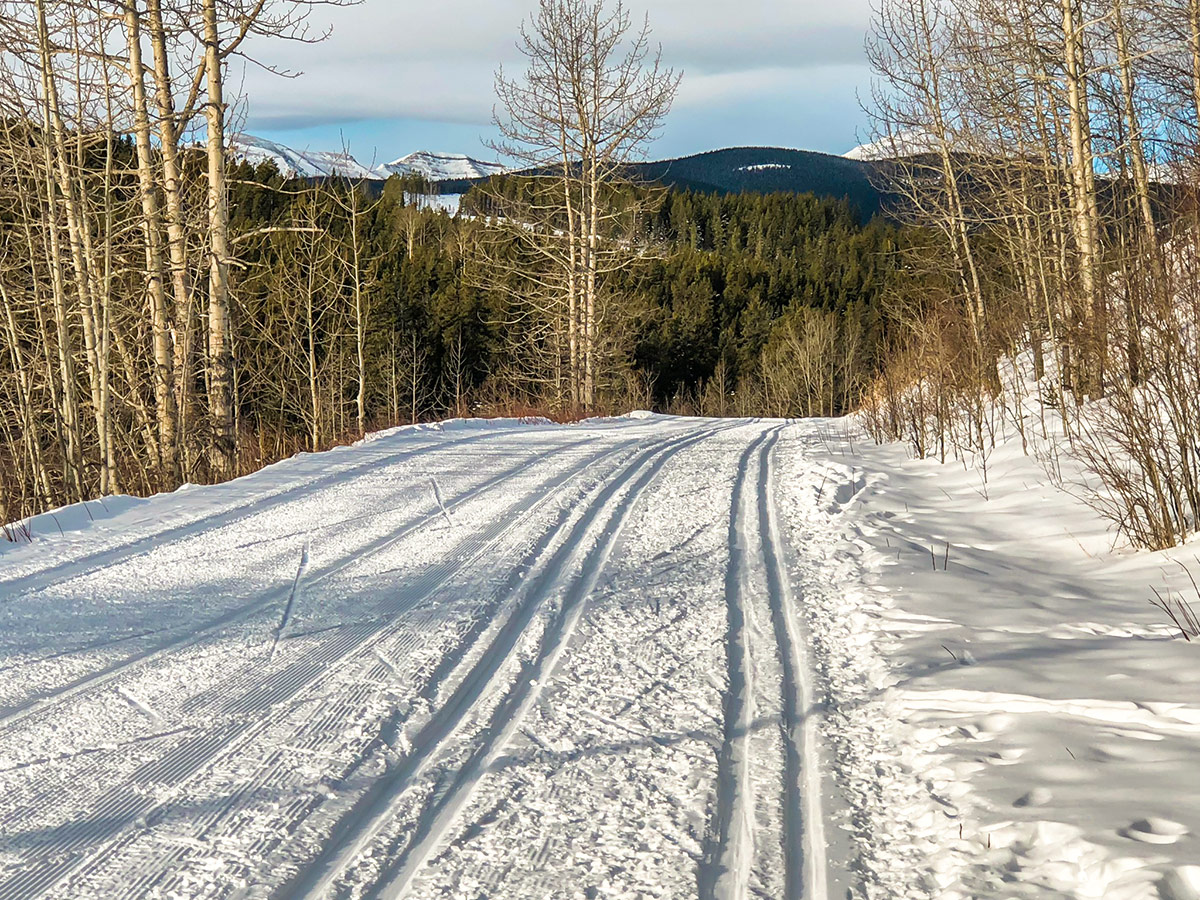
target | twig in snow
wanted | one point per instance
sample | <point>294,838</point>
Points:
<point>1180,612</point>
<point>437,495</point>
<point>951,652</point>
<point>821,489</point>
<point>287,610</point>
<point>388,664</point>
<point>141,707</point>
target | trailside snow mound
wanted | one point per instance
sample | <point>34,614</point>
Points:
<point>96,525</point>
<point>1049,709</point>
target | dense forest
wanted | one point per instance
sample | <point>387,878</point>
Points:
<point>169,314</point>
<point>732,290</point>
<point>1047,154</point>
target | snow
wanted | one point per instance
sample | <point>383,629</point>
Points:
<point>440,166</point>
<point>633,657</point>
<point>294,163</point>
<point>298,163</point>
<point>1034,692</point>
<point>909,143</point>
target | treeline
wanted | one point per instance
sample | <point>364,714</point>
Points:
<point>117,259</point>
<point>353,310</point>
<point>169,315</point>
<point>767,304</point>
<point>1049,154</point>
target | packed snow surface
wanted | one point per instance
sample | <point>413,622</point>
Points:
<point>634,657</point>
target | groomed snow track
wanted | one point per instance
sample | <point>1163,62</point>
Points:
<point>361,681</point>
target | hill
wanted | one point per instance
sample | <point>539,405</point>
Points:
<point>734,170</point>
<point>768,170</point>
<point>756,170</point>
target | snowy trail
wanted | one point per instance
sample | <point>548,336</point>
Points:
<point>95,680</point>
<point>123,805</point>
<point>369,686</point>
<point>599,526</point>
<point>91,563</point>
<point>769,791</point>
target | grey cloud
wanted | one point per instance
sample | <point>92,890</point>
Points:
<point>394,58</point>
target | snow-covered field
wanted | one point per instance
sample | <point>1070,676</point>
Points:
<point>638,657</point>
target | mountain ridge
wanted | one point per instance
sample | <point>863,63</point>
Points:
<point>726,170</point>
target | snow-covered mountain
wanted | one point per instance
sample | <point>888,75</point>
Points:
<point>298,163</point>
<point>318,164</point>
<point>909,143</point>
<point>440,166</point>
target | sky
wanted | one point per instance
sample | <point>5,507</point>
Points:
<point>397,76</point>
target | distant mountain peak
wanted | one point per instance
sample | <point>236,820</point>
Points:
<point>441,166</point>
<point>294,163</point>
<point>298,163</point>
<point>898,146</point>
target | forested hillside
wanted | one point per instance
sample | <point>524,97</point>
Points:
<point>170,315</point>
<point>761,170</point>
<point>730,285</point>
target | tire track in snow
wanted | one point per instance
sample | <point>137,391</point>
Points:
<point>57,855</point>
<point>598,529</point>
<point>736,842</point>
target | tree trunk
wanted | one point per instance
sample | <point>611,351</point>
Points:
<point>220,351</point>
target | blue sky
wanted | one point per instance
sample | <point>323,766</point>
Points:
<point>397,76</point>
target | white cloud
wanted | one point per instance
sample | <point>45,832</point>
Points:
<point>396,59</point>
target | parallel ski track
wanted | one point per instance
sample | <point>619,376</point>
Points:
<point>47,702</point>
<point>754,539</point>
<point>317,730</point>
<point>92,563</point>
<point>725,872</point>
<point>597,530</point>
<point>804,817</point>
<point>244,717</point>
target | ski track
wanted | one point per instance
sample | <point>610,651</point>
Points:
<point>125,805</point>
<point>96,680</point>
<point>374,812</point>
<point>111,556</point>
<point>752,832</point>
<point>283,771</point>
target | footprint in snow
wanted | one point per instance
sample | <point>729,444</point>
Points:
<point>1039,796</point>
<point>1153,830</point>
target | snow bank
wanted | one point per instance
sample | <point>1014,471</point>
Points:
<point>97,524</point>
<point>1048,709</point>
